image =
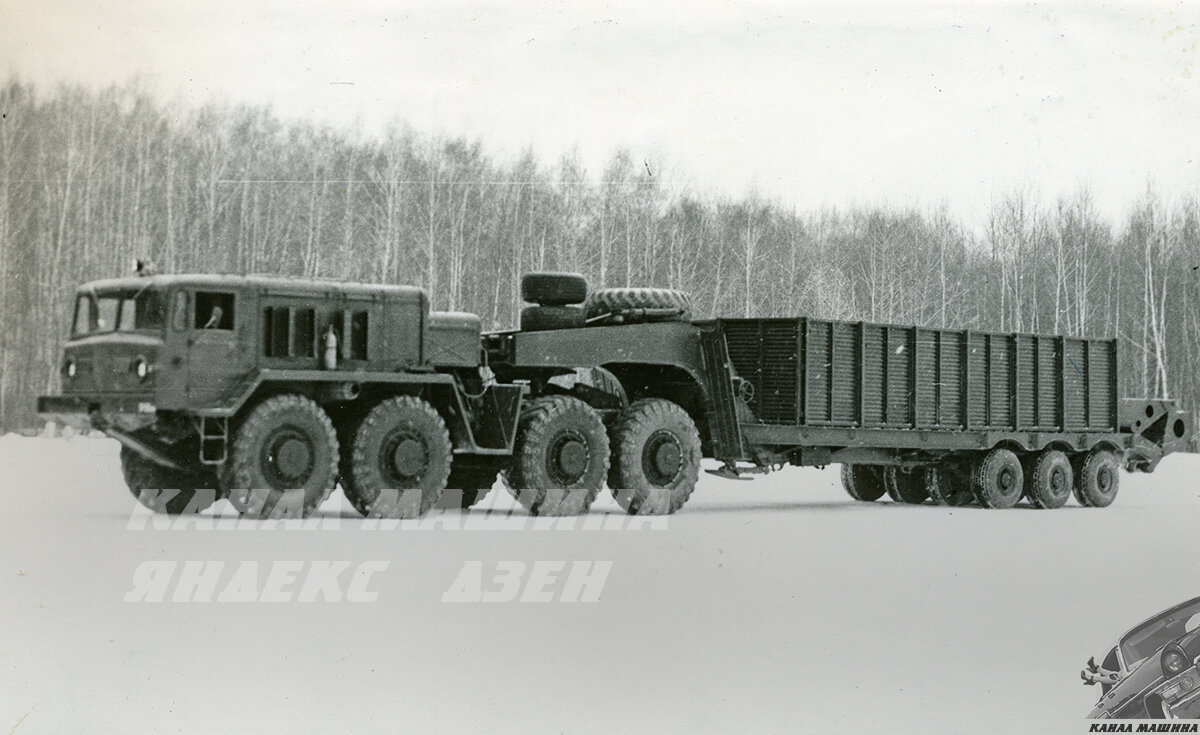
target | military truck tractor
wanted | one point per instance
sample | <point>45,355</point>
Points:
<point>268,391</point>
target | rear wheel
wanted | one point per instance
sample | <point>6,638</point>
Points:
<point>1048,480</point>
<point>863,482</point>
<point>400,461</point>
<point>560,458</point>
<point>166,490</point>
<point>1097,478</point>
<point>905,487</point>
<point>283,462</point>
<point>999,479</point>
<point>655,457</point>
<point>949,483</point>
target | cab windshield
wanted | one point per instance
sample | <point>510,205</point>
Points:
<point>1145,640</point>
<point>118,311</point>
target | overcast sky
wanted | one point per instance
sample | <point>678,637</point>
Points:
<point>809,105</point>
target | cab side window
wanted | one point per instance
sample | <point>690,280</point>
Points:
<point>214,310</point>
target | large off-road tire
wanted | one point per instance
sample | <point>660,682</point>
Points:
<point>905,487</point>
<point>1097,478</point>
<point>560,458</point>
<point>166,490</point>
<point>949,483</point>
<point>863,482</point>
<point>612,300</point>
<point>283,460</point>
<point>553,289</point>
<point>655,457</point>
<point>400,461</point>
<point>1049,479</point>
<point>998,480</point>
<point>542,318</point>
<point>468,484</point>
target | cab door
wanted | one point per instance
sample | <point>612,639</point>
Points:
<point>219,357</point>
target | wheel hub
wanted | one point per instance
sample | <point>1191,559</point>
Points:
<point>662,458</point>
<point>292,458</point>
<point>408,457</point>
<point>1104,479</point>
<point>1006,479</point>
<point>572,458</point>
<point>1058,480</point>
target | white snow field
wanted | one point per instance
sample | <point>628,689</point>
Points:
<point>777,605</point>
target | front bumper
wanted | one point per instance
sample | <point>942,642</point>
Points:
<point>1186,707</point>
<point>125,412</point>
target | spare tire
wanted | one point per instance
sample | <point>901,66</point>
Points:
<point>541,318</point>
<point>611,300</point>
<point>553,289</point>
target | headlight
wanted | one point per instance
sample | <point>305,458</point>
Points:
<point>1174,660</point>
<point>141,368</point>
<point>70,368</point>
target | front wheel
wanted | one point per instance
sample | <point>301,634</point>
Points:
<point>656,457</point>
<point>166,490</point>
<point>283,462</point>
<point>400,461</point>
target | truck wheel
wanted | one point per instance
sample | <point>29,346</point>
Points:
<point>400,461</point>
<point>542,318</point>
<point>905,487</point>
<point>553,289</point>
<point>164,490</point>
<point>949,484</point>
<point>468,484</point>
<point>1097,478</point>
<point>1048,479</point>
<point>863,482</point>
<point>998,479</point>
<point>283,462</point>
<point>560,457</point>
<point>609,300</point>
<point>655,457</point>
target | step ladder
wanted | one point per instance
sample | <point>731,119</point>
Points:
<point>214,439</point>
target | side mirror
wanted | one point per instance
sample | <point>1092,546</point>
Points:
<point>1091,664</point>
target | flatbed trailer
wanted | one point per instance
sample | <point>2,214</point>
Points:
<point>887,402</point>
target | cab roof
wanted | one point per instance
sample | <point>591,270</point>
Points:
<point>324,287</point>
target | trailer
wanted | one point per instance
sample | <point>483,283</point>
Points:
<point>270,392</point>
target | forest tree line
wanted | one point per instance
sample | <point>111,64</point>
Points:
<point>90,180</point>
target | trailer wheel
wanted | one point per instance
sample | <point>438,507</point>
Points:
<point>165,490</point>
<point>400,461</point>
<point>949,484</point>
<point>284,459</point>
<point>655,457</point>
<point>468,484</point>
<point>609,300</point>
<point>905,487</point>
<point>560,457</point>
<point>863,482</point>
<point>553,289</point>
<point>542,318</point>
<point>999,480</point>
<point>1097,478</point>
<point>1048,479</point>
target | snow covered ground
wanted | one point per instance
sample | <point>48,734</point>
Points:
<point>772,605</point>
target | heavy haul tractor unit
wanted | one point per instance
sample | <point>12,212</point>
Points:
<point>270,391</point>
